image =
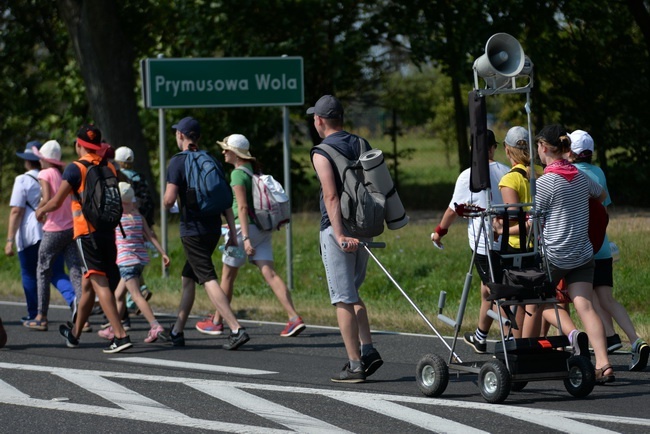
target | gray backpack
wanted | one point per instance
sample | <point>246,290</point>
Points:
<point>363,207</point>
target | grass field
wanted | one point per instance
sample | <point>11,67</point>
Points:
<point>421,270</point>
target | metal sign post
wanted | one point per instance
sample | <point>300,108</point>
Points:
<point>224,82</point>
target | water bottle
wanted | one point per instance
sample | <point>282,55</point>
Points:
<point>615,252</point>
<point>232,251</point>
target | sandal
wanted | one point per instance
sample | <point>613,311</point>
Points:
<point>601,378</point>
<point>36,324</point>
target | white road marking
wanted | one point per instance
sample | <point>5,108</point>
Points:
<point>419,418</point>
<point>9,391</point>
<point>264,408</point>
<point>118,394</point>
<point>138,407</point>
<point>192,366</point>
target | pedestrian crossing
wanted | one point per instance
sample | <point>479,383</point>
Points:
<point>117,397</point>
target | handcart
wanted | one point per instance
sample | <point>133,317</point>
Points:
<point>516,361</point>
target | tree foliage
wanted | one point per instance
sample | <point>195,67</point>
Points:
<point>71,61</point>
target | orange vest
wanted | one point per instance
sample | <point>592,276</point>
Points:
<point>80,224</point>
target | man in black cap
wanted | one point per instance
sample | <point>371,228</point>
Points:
<point>96,246</point>
<point>345,264</point>
<point>200,237</point>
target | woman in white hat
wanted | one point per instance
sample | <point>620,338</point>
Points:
<point>57,239</point>
<point>256,243</point>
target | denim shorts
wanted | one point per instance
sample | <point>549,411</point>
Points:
<point>128,272</point>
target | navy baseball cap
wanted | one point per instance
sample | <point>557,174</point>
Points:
<point>188,126</point>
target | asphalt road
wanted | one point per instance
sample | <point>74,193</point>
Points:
<point>275,384</point>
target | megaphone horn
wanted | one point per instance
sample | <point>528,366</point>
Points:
<point>503,56</point>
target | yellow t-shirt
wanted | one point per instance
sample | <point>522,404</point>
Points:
<point>520,184</point>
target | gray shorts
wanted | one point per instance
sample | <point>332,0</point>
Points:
<point>583,273</point>
<point>260,240</point>
<point>345,271</point>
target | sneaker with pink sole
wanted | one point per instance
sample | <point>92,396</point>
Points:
<point>293,328</point>
<point>153,333</point>
<point>208,327</point>
<point>106,333</point>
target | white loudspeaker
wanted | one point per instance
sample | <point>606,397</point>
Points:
<point>503,56</point>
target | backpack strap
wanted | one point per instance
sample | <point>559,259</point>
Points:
<point>83,165</point>
<point>520,171</point>
<point>340,161</point>
<point>521,221</point>
<point>245,170</point>
<point>39,186</point>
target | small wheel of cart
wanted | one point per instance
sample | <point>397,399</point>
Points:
<point>494,381</point>
<point>518,386</point>
<point>582,377</point>
<point>432,375</point>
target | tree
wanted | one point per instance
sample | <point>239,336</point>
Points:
<point>106,61</point>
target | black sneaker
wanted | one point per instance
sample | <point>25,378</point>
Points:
<point>118,344</point>
<point>66,331</point>
<point>177,340</point>
<point>480,347</point>
<point>613,343</point>
<point>371,362</point>
<point>236,340</point>
<point>348,376</point>
<point>640,354</point>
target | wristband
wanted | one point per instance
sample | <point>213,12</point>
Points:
<point>440,231</point>
<point>244,238</point>
<point>10,240</point>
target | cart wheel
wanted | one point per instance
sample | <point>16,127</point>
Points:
<point>582,377</point>
<point>518,386</point>
<point>494,381</point>
<point>432,375</point>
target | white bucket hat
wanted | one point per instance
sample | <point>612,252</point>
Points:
<point>50,152</point>
<point>238,144</point>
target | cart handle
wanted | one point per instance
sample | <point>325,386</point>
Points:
<point>370,244</point>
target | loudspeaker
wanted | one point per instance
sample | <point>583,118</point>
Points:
<point>503,56</point>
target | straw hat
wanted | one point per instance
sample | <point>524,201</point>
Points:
<point>237,144</point>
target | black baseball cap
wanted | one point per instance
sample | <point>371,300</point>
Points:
<point>327,107</point>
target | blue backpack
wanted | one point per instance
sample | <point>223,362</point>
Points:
<point>208,192</point>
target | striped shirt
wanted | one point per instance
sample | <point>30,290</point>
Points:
<point>565,206</point>
<point>131,250</point>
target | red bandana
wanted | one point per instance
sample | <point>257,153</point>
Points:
<point>563,168</point>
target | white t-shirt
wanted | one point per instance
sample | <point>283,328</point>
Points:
<point>27,190</point>
<point>462,194</point>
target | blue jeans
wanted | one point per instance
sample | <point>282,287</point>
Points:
<point>28,263</point>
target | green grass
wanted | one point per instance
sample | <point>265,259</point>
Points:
<point>421,270</point>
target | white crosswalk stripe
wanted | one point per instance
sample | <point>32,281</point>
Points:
<point>135,406</point>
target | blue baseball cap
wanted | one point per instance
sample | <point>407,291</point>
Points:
<point>29,154</point>
<point>188,126</point>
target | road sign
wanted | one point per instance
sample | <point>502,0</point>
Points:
<point>222,82</point>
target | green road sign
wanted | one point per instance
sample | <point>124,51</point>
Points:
<point>223,82</point>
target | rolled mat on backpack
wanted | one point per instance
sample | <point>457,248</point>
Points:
<point>377,173</point>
